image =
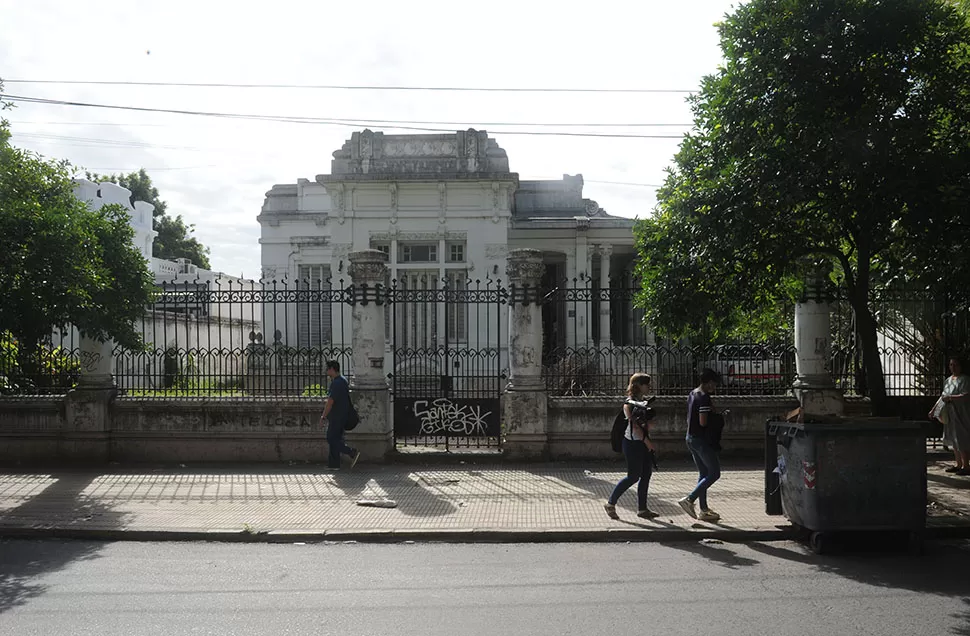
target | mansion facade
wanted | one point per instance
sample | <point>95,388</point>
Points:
<point>446,209</point>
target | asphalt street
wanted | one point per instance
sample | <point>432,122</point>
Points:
<point>106,589</point>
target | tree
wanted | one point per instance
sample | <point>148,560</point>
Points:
<point>836,130</point>
<point>62,263</point>
<point>173,240</point>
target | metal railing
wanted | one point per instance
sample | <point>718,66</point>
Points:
<point>449,349</point>
<point>917,329</point>
<point>240,339</point>
<point>595,339</point>
<point>52,369</point>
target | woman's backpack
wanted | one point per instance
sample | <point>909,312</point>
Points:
<point>618,432</point>
<point>641,413</point>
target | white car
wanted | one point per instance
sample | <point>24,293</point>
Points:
<point>749,366</point>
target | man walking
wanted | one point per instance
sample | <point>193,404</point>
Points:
<point>336,411</point>
<point>701,441</point>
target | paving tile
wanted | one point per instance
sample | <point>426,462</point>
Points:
<point>540,497</point>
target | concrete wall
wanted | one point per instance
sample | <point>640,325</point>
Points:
<point>31,428</point>
<point>579,428</point>
<point>273,430</point>
<point>216,430</point>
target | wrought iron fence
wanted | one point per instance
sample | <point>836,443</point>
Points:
<point>237,338</point>
<point>53,368</point>
<point>917,329</point>
<point>449,343</point>
<point>595,339</point>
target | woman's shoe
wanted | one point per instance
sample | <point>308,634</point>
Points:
<point>611,511</point>
<point>647,514</point>
<point>952,469</point>
<point>963,472</point>
<point>709,516</point>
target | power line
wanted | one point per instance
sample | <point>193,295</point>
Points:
<point>625,183</point>
<point>118,143</point>
<point>316,120</point>
<point>87,142</point>
<point>396,121</point>
<point>103,171</point>
<point>85,123</point>
<point>465,89</point>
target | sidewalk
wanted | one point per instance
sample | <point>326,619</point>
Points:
<point>457,502</point>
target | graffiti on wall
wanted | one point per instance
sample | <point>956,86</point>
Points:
<point>446,417</point>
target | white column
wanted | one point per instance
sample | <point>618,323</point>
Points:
<point>96,363</point>
<point>375,433</point>
<point>525,405</point>
<point>368,270</point>
<point>812,345</point>
<point>814,385</point>
<point>525,270</point>
<point>583,305</point>
<point>605,252</point>
<point>569,307</point>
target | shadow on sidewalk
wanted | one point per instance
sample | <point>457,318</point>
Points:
<point>957,483</point>
<point>414,494</point>
<point>600,487</point>
<point>420,494</point>
<point>61,504</point>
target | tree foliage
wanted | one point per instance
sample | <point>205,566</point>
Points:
<point>62,263</point>
<point>835,130</point>
<point>174,238</point>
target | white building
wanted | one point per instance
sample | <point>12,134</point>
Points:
<point>204,318</point>
<point>446,208</point>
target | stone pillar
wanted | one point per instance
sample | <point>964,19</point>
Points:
<point>605,252</point>
<point>87,407</point>
<point>814,385</point>
<point>525,407</point>
<point>584,304</point>
<point>374,436</point>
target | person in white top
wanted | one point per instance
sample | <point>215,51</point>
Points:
<point>637,448</point>
<point>953,411</point>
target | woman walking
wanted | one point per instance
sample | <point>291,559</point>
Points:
<point>637,448</point>
<point>953,411</point>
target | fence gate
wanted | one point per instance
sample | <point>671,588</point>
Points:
<point>450,349</point>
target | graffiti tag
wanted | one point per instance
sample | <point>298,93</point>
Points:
<point>442,416</point>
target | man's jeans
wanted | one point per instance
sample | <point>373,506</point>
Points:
<point>708,468</point>
<point>335,440</point>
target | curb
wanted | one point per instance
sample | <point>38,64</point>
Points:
<point>484,535</point>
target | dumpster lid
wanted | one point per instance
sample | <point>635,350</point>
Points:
<point>860,424</point>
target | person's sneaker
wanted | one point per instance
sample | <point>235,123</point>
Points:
<point>688,507</point>
<point>709,516</point>
<point>952,469</point>
<point>611,511</point>
<point>647,514</point>
<point>353,461</point>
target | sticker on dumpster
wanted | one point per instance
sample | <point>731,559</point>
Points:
<point>781,466</point>
<point>809,468</point>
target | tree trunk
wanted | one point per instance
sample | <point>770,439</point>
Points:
<point>871,360</point>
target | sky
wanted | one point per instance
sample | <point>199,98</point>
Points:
<point>215,171</point>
